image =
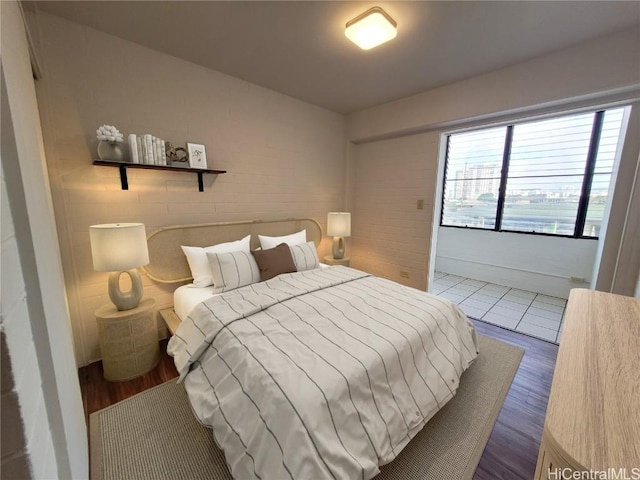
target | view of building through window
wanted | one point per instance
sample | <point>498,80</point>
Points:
<point>554,173</point>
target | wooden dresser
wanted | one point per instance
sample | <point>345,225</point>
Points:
<point>593,415</point>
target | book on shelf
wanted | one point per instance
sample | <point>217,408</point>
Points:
<point>154,149</point>
<point>133,148</point>
<point>143,148</point>
<point>163,152</point>
<point>159,151</point>
<point>139,147</point>
<point>147,149</point>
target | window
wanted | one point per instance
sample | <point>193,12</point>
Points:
<point>549,176</point>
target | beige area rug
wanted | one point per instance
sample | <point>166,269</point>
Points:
<point>154,435</point>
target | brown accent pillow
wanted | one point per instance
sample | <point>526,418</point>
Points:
<point>274,261</point>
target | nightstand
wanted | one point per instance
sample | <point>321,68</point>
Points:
<point>128,340</point>
<point>329,260</point>
<point>171,319</point>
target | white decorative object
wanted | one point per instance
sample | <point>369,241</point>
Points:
<point>338,227</point>
<point>120,248</point>
<point>109,147</point>
<point>197,155</point>
<point>111,152</point>
<point>109,133</point>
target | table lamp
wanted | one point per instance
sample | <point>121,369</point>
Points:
<point>120,248</point>
<point>338,227</point>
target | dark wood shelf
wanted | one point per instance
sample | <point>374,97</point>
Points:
<point>124,165</point>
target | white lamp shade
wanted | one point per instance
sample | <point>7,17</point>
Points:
<point>339,224</point>
<point>116,247</point>
<point>371,28</point>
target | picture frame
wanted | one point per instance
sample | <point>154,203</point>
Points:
<point>197,155</point>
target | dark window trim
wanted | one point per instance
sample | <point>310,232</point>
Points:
<point>589,168</point>
<point>583,203</point>
<point>542,234</point>
<point>504,175</point>
<point>444,178</point>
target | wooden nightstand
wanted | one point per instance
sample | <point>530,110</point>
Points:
<point>329,260</point>
<point>128,340</point>
<point>171,319</point>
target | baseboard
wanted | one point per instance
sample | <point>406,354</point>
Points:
<point>552,285</point>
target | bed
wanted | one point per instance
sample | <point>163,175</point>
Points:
<point>321,373</point>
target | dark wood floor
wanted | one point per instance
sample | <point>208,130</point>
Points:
<point>97,393</point>
<point>512,449</point>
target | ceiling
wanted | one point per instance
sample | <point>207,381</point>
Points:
<point>299,48</point>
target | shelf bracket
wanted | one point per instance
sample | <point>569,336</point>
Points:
<point>124,182</point>
<point>200,182</point>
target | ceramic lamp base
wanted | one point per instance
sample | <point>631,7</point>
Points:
<point>125,300</point>
<point>110,151</point>
<point>338,248</point>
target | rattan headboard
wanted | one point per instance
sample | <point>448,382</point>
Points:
<point>167,263</point>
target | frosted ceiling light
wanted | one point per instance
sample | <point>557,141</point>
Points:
<point>371,28</point>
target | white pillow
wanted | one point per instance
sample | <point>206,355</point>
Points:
<point>233,270</point>
<point>293,239</point>
<point>305,256</point>
<point>199,264</point>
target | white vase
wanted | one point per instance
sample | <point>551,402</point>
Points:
<point>111,152</point>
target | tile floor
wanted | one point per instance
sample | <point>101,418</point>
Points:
<point>519,310</point>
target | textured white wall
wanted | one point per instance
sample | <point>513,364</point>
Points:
<point>536,263</point>
<point>17,326</point>
<point>284,158</point>
<point>389,233</point>
<point>607,65</point>
<point>587,74</point>
<point>33,295</point>
<point>618,257</point>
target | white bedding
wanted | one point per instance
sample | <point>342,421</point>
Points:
<point>326,373</point>
<point>187,296</point>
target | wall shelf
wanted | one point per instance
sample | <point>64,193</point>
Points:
<point>122,166</point>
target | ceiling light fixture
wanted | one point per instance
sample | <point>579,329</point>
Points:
<point>371,28</point>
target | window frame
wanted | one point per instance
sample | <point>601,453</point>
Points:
<point>587,180</point>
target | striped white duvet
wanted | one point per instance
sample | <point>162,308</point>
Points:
<point>320,374</point>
